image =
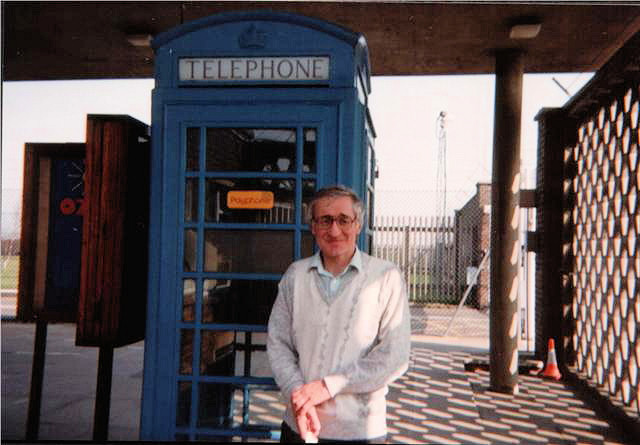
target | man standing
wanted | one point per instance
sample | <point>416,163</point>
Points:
<point>339,331</point>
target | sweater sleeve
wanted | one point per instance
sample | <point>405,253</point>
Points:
<point>388,359</point>
<point>281,352</point>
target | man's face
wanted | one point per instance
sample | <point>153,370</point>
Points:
<point>337,241</point>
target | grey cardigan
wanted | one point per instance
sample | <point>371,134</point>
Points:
<point>358,343</point>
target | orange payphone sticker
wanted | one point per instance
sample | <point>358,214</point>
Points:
<point>250,199</point>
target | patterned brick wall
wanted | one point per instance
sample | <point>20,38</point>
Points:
<point>588,262</point>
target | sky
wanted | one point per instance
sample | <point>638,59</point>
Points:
<point>404,111</point>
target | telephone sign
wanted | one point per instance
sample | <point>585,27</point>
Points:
<point>254,69</point>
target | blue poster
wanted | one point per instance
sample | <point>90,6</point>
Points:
<point>65,235</point>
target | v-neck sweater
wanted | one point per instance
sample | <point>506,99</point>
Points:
<point>357,342</point>
<point>333,283</point>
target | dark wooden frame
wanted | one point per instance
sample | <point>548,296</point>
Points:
<point>113,282</point>
<point>28,309</point>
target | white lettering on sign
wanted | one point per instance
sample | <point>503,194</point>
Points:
<point>230,69</point>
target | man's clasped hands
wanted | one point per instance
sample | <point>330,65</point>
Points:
<point>304,401</point>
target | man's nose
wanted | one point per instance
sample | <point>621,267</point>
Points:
<point>334,228</point>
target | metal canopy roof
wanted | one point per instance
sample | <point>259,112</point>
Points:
<point>89,40</point>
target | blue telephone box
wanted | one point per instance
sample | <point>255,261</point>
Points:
<point>252,112</point>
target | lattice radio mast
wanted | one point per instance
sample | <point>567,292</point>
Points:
<point>441,173</point>
<point>440,259</point>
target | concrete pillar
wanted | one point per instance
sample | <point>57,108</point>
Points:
<point>503,326</point>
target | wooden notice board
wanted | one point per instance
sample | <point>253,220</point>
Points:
<point>51,232</point>
<point>113,285</point>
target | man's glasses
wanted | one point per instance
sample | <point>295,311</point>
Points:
<point>325,222</point>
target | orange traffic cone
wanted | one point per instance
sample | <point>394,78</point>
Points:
<point>551,370</point>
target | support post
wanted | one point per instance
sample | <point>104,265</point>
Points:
<point>503,326</point>
<point>37,376</point>
<point>103,394</point>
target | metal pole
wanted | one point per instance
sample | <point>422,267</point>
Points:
<point>505,188</point>
<point>103,394</point>
<point>463,300</point>
<point>407,266</point>
<point>531,295</point>
<point>37,376</point>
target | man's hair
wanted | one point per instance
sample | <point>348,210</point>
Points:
<point>338,191</point>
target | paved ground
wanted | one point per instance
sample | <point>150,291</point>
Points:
<point>435,402</point>
<point>450,321</point>
<point>69,385</point>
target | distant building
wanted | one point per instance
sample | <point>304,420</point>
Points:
<point>472,240</point>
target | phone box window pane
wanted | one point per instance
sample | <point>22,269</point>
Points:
<point>253,360</point>
<point>265,408</point>
<point>183,411</point>
<point>193,149</point>
<point>186,351</point>
<point>308,191</point>
<point>191,200</point>
<point>307,244</point>
<point>188,300</point>
<point>217,355</point>
<point>215,407</point>
<point>247,149</point>
<point>310,143</point>
<point>258,364</point>
<point>251,251</point>
<point>238,301</point>
<point>190,250</point>
<point>279,199</point>
<point>370,199</point>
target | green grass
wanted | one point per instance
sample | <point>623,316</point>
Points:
<point>9,272</point>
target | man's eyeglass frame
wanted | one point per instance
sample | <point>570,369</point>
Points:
<point>325,222</point>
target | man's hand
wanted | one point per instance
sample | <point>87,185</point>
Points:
<point>309,395</point>
<point>308,422</point>
<point>304,401</point>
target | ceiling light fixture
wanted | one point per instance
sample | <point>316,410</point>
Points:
<point>139,40</point>
<point>525,31</point>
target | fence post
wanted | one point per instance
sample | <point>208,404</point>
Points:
<point>407,267</point>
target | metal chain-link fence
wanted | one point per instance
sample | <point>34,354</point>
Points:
<point>444,258</point>
<point>9,261</point>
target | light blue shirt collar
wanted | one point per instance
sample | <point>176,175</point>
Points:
<point>356,262</point>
